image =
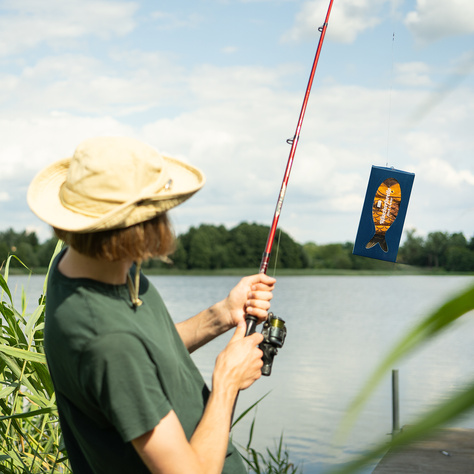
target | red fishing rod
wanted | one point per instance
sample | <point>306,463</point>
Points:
<point>276,325</point>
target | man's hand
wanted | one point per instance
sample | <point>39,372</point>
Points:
<point>252,295</point>
<point>239,365</point>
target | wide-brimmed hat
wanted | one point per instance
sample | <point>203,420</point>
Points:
<point>110,183</point>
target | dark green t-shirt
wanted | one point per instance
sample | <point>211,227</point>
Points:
<point>117,371</point>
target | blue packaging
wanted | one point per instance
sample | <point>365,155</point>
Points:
<point>383,213</point>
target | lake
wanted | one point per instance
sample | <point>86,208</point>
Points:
<point>339,327</point>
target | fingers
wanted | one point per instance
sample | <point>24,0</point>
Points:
<point>262,281</point>
<point>258,299</point>
<point>240,363</point>
<point>239,333</point>
<point>258,304</point>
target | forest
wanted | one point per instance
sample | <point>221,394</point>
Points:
<point>209,247</point>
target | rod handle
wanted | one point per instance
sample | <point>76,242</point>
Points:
<point>251,324</point>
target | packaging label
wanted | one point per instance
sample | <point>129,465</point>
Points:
<point>383,213</point>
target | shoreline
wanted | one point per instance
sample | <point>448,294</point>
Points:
<point>398,270</point>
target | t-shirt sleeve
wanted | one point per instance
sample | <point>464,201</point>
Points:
<point>120,377</point>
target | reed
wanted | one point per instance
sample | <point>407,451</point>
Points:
<point>30,434</point>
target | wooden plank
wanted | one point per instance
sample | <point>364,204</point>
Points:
<point>447,451</point>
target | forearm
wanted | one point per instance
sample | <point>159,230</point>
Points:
<point>251,295</point>
<point>204,327</point>
<point>165,449</point>
<point>211,437</point>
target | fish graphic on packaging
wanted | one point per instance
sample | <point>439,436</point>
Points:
<point>383,213</point>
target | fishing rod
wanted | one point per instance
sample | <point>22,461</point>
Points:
<point>274,329</point>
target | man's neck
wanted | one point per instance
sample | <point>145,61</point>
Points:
<point>76,265</point>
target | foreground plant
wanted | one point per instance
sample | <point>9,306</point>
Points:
<point>30,434</point>
<point>273,462</point>
<point>463,401</point>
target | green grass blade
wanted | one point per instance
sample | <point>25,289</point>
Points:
<point>5,289</point>
<point>8,390</point>
<point>57,249</point>
<point>30,326</point>
<point>30,414</point>
<point>250,408</point>
<point>436,418</point>
<point>23,354</point>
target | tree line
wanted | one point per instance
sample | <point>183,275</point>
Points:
<point>210,247</point>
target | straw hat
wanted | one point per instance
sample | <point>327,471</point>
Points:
<point>110,183</point>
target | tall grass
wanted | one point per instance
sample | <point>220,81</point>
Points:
<point>30,434</point>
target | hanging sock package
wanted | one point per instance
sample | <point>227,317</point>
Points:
<point>383,213</point>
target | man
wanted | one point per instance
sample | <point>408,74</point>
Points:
<point>130,399</point>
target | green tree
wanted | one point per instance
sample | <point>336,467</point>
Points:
<point>459,259</point>
<point>413,251</point>
<point>199,251</point>
<point>4,251</point>
<point>26,253</point>
<point>45,251</point>
<point>248,243</point>
<point>436,245</point>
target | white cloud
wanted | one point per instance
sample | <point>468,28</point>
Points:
<point>413,74</point>
<point>4,196</point>
<point>30,144</point>
<point>30,23</point>
<point>444,174</point>
<point>346,21</point>
<point>127,83</point>
<point>435,19</point>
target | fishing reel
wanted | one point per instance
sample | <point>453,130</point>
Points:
<point>274,333</point>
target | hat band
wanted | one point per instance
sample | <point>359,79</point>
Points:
<point>97,208</point>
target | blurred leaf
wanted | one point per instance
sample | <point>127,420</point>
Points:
<point>5,289</point>
<point>436,418</point>
<point>431,326</point>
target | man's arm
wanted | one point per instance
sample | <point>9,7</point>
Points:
<point>166,450</point>
<point>251,295</point>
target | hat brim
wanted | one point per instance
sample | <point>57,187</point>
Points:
<point>43,199</point>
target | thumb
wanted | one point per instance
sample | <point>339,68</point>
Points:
<point>239,331</point>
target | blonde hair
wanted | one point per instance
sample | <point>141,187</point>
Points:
<point>152,238</point>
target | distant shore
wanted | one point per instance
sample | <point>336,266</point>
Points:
<point>397,269</point>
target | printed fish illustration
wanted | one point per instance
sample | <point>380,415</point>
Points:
<point>384,211</point>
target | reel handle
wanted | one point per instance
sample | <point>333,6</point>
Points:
<point>251,324</point>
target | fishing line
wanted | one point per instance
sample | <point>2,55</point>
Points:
<point>390,104</point>
<point>276,255</point>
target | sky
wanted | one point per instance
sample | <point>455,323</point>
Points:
<point>220,84</point>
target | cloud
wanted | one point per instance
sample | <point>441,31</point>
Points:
<point>414,74</point>
<point>444,174</point>
<point>436,19</point>
<point>30,23</point>
<point>126,83</point>
<point>233,122</point>
<point>348,19</point>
